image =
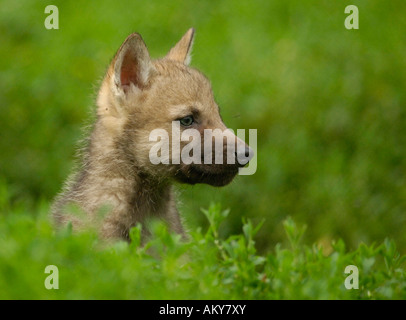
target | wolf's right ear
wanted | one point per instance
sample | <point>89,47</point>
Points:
<point>182,50</point>
<point>132,64</point>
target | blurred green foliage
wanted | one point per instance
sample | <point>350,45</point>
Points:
<point>206,267</point>
<point>328,104</point>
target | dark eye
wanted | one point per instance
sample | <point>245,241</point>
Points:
<point>187,121</point>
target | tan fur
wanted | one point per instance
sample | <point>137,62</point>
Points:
<point>138,95</point>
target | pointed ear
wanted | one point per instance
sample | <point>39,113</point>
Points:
<point>181,51</point>
<point>132,64</point>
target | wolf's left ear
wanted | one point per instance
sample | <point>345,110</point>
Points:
<point>132,64</point>
<point>182,50</point>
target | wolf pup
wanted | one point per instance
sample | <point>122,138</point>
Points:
<point>137,96</point>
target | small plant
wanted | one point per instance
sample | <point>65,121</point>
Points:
<point>207,266</point>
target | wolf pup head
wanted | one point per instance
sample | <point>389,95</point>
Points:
<point>163,115</point>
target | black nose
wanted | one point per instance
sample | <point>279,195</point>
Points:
<point>244,156</point>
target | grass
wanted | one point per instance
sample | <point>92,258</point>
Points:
<point>205,267</point>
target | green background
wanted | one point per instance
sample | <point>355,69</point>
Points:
<point>328,104</point>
